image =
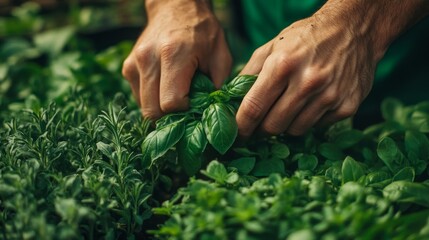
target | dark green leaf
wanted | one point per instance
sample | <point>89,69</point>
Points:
<point>264,168</point>
<point>307,162</point>
<point>200,100</point>
<point>407,192</point>
<point>191,147</point>
<point>417,143</point>
<point>158,142</point>
<point>240,85</point>
<point>169,119</point>
<point>220,126</point>
<point>405,174</point>
<point>348,138</point>
<point>280,151</point>
<point>331,151</point>
<point>391,155</point>
<point>244,165</point>
<point>351,170</point>
<point>201,83</point>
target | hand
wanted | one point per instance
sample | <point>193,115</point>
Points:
<point>319,70</point>
<point>181,37</point>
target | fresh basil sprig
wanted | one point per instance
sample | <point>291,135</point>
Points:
<point>210,119</point>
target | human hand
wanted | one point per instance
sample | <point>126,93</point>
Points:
<point>315,72</point>
<point>181,36</point>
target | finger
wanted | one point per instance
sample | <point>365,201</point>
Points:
<point>256,62</point>
<point>149,93</point>
<point>345,110</point>
<point>221,63</point>
<point>177,70</point>
<point>270,84</point>
<point>131,74</point>
<point>313,112</point>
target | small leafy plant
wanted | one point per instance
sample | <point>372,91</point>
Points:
<point>210,120</point>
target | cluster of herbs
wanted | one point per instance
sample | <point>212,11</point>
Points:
<point>210,119</point>
<point>76,160</point>
<point>342,183</point>
<point>69,143</point>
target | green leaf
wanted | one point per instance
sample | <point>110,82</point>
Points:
<point>53,41</point>
<point>220,126</point>
<point>200,100</point>
<point>348,138</point>
<point>377,179</point>
<point>240,85</point>
<point>407,192</point>
<point>169,119</point>
<point>307,162</point>
<point>105,148</point>
<point>158,142</point>
<point>391,155</point>
<point>405,174</point>
<point>220,96</point>
<point>417,143</point>
<point>191,147</point>
<point>421,121</point>
<point>331,151</point>
<point>351,170</point>
<point>280,150</point>
<point>201,83</point>
<point>216,171</point>
<point>264,168</point>
<point>244,165</point>
<point>392,109</point>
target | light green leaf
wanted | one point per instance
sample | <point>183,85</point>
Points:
<point>191,147</point>
<point>307,162</point>
<point>391,155</point>
<point>407,192</point>
<point>244,165</point>
<point>220,126</point>
<point>351,170</point>
<point>158,142</point>
<point>240,85</point>
<point>216,171</point>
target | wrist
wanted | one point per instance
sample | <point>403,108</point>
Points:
<point>155,6</point>
<point>376,23</point>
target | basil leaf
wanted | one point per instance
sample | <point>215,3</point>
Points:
<point>331,151</point>
<point>191,147</point>
<point>220,126</point>
<point>348,138</point>
<point>201,83</point>
<point>216,171</point>
<point>405,174</point>
<point>199,101</point>
<point>158,142</point>
<point>264,168</point>
<point>169,119</point>
<point>391,155</point>
<point>417,143</point>
<point>244,165</point>
<point>240,85</point>
<point>307,162</point>
<point>407,192</point>
<point>351,170</point>
<point>280,150</point>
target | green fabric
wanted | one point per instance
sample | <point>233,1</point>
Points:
<point>402,73</point>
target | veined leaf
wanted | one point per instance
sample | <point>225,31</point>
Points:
<point>240,85</point>
<point>191,147</point>
<point>201,83</point>
<point>351,170</point>
<point>408,192</point>
<point>220,126</point>
<point>391,155</point>
<point>158,142</point>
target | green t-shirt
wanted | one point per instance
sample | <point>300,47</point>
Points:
<point>402,73</point>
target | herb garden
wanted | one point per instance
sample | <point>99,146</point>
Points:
<point>77,160</point>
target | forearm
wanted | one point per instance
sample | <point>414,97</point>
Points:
<point>153,6</point>
<point>381,21</point>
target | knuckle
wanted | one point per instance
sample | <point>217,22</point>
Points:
<point>128,69</point>
<point>143,53</point>
<point>167,49</point>
<point>284,61</point>
<point>272,128</point>
<point>329,98</point>
<point>258,52</point>
<point>345,112</point>
<point>171,103</point>
<point>150,114</point>
<point>294,131</point>
<point>252,108</point>
<point>312,81</point>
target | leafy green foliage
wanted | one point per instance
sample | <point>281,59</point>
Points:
<point>212,111</point>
